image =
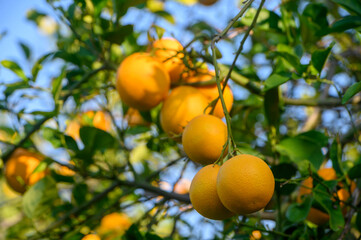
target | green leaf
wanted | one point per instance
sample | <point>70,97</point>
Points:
<point>40,197</point>
<point>348,22</point>
<point>56,85</point>
<point>26,50</point>
<point>284,171</point>
<point>150,236</point>
<point>12,87</point>
<point>271,107</point>
<point>355,172</point>
<point>137,130</point>
<point>298,212</point>
<point>15,68</point>
<point>94,140</point>
<point>118,36</point>
<point>358,220</point>
<point>353,6</point>
<point>306,146</point>
<point>335,155</point>
<point>351,91</point>
<point>38,65</point>
<point>275,80</point>
<point>43,165</point>
<point>324,199</point>
<point>80,192</point>
<point>167,16</point>
<point>293,60</point>
<point>133,233</point>
<point>319,57</point>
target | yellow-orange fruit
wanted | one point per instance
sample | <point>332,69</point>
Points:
<point>182,105</point>
<point>182,186</point>
<point>142,81</point>
<point>211,92</point>
<point>203,139</point>
<point>317,216</point>
<point>169,52</point>
<point>203,194</point>
<point>20,167</point>
<point>91,237</point>
<point>207,2</point>
<point>102,121</point>
<point>114,224</point>
<point>97,119</point>
<point>134,118</point>
<point>73,129</point>
<point>245,184</point>
<point>256,234</point>
<point>65,171</point>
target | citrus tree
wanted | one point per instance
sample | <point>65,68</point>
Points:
<point>185,120</point>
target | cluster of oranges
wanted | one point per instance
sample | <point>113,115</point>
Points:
<point>145,79</point>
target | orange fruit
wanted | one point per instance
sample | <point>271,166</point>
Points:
<point>245,184</point>
<point>203,194</point>
<point>203,139</point>
<point>20,167</point>
<point>211,92</point>
<point>65,171</point>
<point>142,81</point>
<point>114,224</point>
<point>256,234</point>
<point>317,216</point>
<point>207,2</point>
<point>182,186</point>
<point>182,105</point>
<point>169,52</point>
<point>91,237</point>
<point>134,118</point>
<point>102,121</point>
<point>72,129</point>
<point>98,119</point>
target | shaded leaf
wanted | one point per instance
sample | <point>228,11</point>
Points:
<point>118,36</point>
<point>351,91</point>
<point>355,172</point>
<point>79,193</point>
<point>10,88</point>
<point>133,233</point>
<point>319,57</point>
<point>298,212</point>
<point>137,130</point>
<point>40,197</point>
<point>348,22</point>
<point>335,155</point>
<point>284,171</point>
<point>38,65</point>
<point>26,50</point>
<point>358,220</point>
<point>293,60</point>
<point>353,6</point>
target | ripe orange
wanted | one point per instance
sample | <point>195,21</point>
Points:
<point>20,167</point>
<point>142,81</point>
<point>65,171</point>
<point>134,118</point>
<point>317,216</point>
<point>114,224</point>
<point>203,194</point>
<point>102,121</point>
<point>182,105</point>
<point>91,237</point>
<point>169,52</point>
<point>203,139</point>
<point>182,186</point>
<point>207,2</point>
<point>256,234</point>
<point>73,129</point>
<point>211,92</point>
<point>245,184</point>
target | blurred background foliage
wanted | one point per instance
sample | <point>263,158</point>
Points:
<point>297,105</point>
